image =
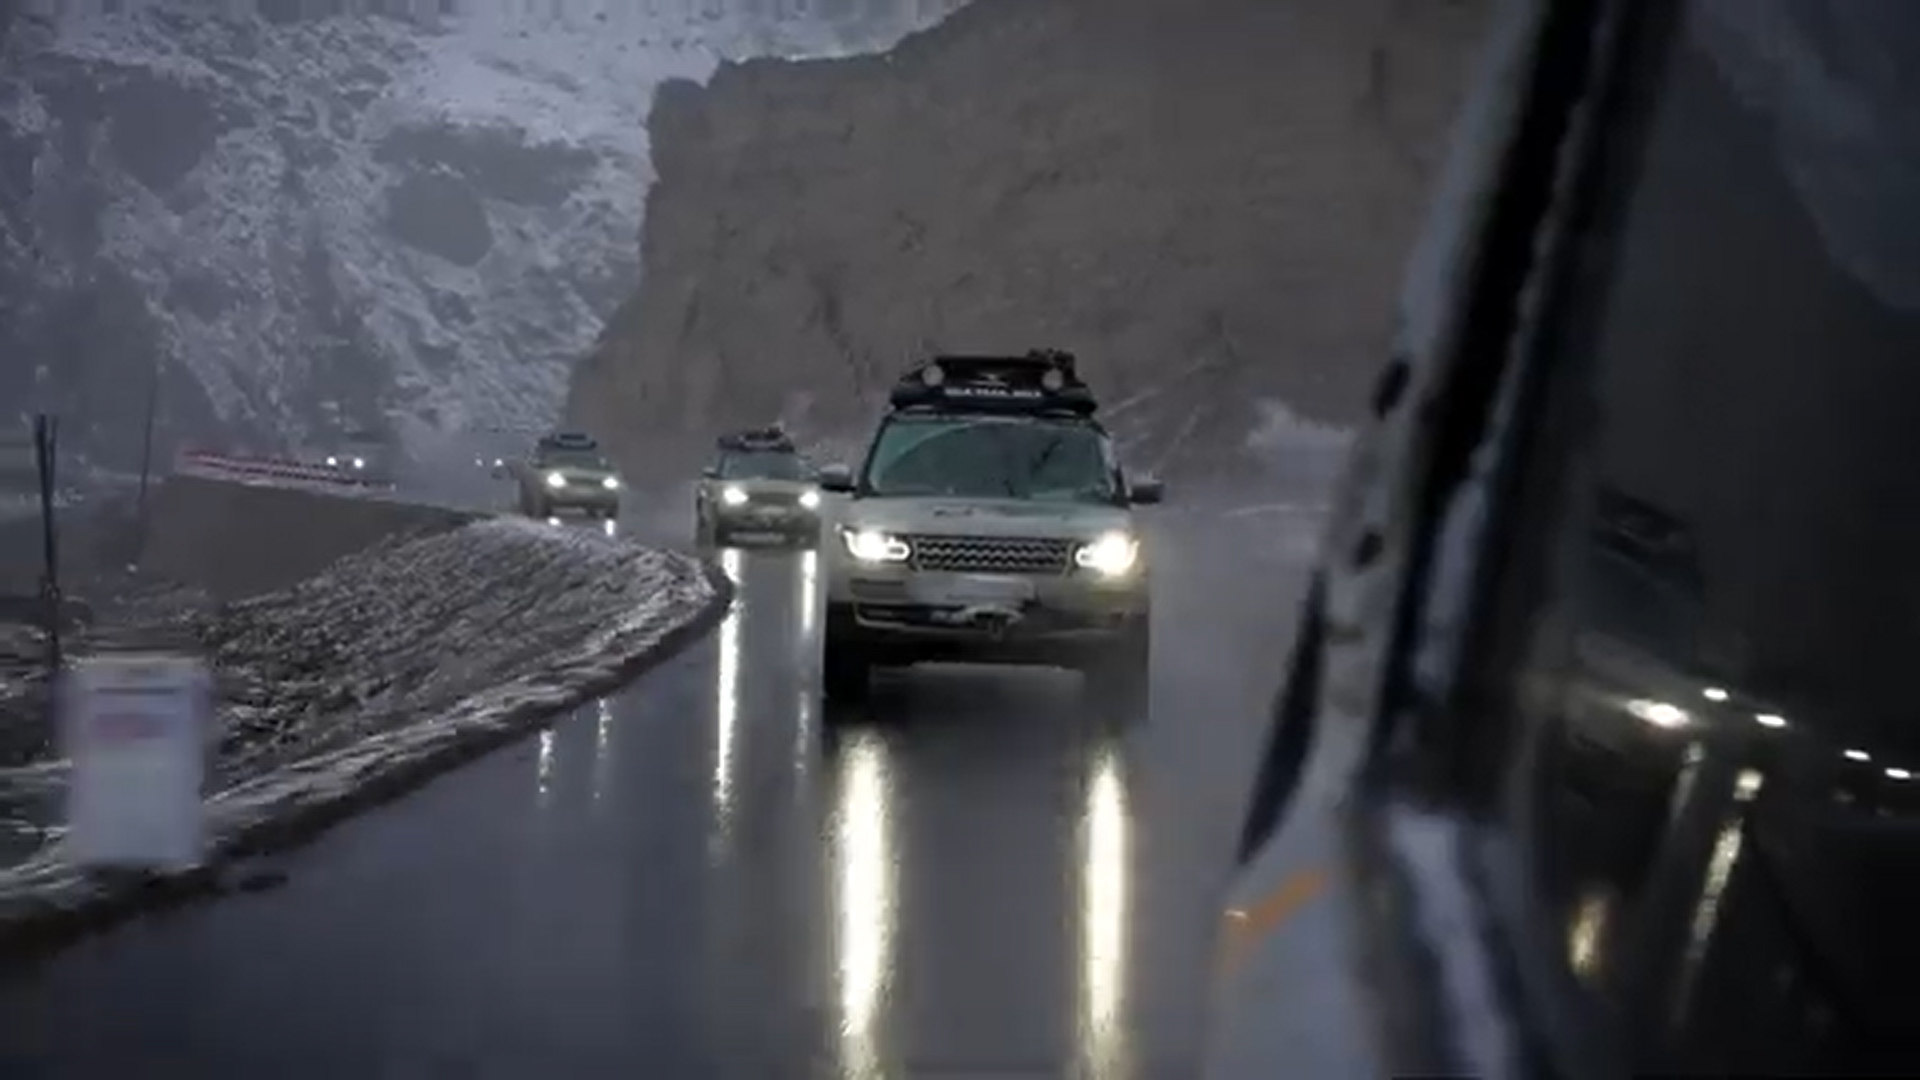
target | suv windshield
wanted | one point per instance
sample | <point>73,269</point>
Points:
<point>762,465</point>
<point>572,457</point>
<point>974,457</point>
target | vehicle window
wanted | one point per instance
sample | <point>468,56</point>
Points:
<point>1725,828</point>
<point>992,458</point>
<point>1643,579</point>
<point>762,465</point>
<point>573,457</point>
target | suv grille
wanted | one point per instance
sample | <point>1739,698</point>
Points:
<point>990,554</point>
<point>774,498</point>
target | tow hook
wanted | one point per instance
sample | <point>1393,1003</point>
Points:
<point>992,618</point>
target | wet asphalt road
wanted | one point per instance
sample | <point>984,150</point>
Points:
<point>699,877</point>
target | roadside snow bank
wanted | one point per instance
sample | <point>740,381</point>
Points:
<point>390,665</point>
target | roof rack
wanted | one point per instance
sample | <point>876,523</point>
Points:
<point>1041,381</point>
<point>771,438</point>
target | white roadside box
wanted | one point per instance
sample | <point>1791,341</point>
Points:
<point>135,726</point>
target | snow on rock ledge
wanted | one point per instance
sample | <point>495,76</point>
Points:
<point>393,664</point>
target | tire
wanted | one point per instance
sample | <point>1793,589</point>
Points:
<point>1119,680</point>
<point>846,672</point>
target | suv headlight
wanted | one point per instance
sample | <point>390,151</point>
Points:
<point>555,480</point>
<point>1113,555</point>
<point>611,483</point>
<point>733,496</point>
<point>810,500</point>
<point>875,547</point>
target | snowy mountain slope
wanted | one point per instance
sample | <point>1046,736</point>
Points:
<point>416,223</point>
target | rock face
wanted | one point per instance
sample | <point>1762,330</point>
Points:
<point>1209,200</point>
<point>304,223</point>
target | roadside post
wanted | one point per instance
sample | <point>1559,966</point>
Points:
<point>45,430</point>
<point>135,726</point>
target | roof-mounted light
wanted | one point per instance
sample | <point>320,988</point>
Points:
<point>1040,381</point>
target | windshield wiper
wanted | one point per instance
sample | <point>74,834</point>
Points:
<point>1040,460</point>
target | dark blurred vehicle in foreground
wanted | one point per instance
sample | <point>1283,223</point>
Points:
<point>1605,680</point>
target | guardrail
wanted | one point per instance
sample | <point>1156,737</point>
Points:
<point>276,469</point>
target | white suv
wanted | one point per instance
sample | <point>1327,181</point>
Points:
<point>990,523</point>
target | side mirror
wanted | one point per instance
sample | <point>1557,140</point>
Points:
<point>1145,491</point>
<point>711,472</point>
<point>836,478</point>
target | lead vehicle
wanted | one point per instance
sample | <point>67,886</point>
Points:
<point>991,522</point>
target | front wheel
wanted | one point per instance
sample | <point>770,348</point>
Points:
<point>1118,680</point>
<point>846,671</point>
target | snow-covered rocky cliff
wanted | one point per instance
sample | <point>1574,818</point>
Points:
<point>416,220</point>
<point>1209,200</point>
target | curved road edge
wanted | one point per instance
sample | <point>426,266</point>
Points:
<point>47,903</point>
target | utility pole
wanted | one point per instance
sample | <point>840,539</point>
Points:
<point>45,433</point>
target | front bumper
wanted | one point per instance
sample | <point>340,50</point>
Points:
<point>581,498</point>
<point>1067,620</point>
<point>793,520</point>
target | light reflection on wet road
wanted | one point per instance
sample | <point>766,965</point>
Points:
<point>699,877</point>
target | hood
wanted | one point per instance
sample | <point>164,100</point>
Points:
<point>985,517</point>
